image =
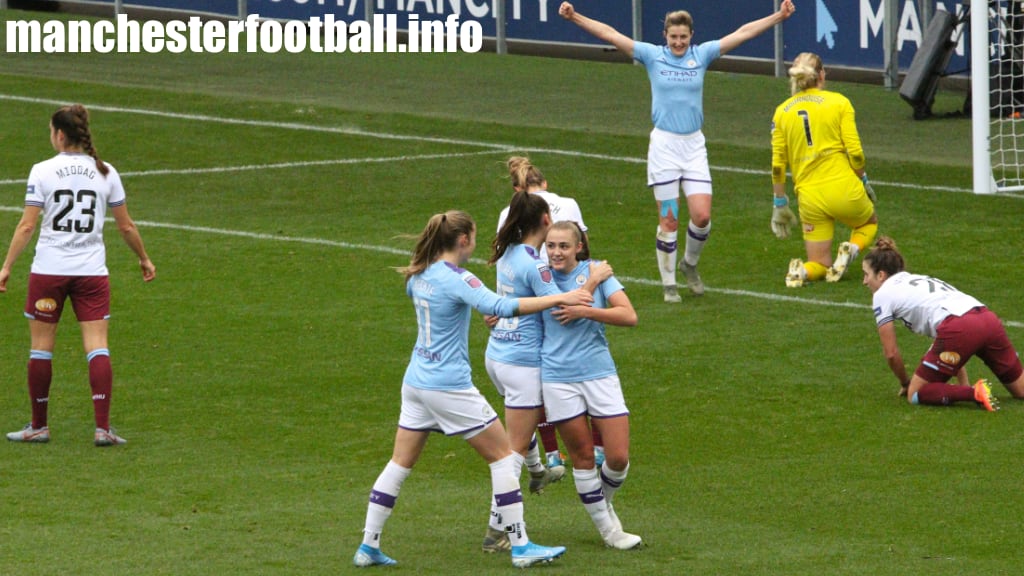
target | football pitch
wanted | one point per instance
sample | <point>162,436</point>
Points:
<point>257,378</point>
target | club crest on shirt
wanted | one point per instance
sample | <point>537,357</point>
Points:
<point>691,63</point>
<point>545,272</point>
<point>581,280</point>
<point>808,227</point>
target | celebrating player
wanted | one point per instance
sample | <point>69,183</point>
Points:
<point>580,379</point>
<point>528,178</point>
<point>438,392</point>
<point>961,326</point>
<point>513,357</point>
<point>677,155</point>
<point>814,132</point>
<point>73,191</point>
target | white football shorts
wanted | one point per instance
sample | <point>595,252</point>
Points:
<point>677,158</point>
<point>464,413</point>
<point>600,398</point>
<point>518,385</point>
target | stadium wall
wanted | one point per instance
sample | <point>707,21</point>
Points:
<point>846,33</point>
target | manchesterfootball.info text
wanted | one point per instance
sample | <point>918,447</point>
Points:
<point>250,35</point>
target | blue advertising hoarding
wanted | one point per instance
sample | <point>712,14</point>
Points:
<point>844,32</point>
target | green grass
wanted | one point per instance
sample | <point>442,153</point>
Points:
<point>258,377</point>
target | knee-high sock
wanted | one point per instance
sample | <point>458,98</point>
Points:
<point>534,463</point>
<point>588,486</point>
<point>382,501</point>
<point>40,374</point>
<point>611,480</point>
<point>942,394</point>
<point>667,246</point>
<point>862,236</point>
<point>696,237</point>
<point>101,380</point>
<point>507,509</point>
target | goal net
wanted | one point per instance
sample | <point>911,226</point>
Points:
<point>997,63</point>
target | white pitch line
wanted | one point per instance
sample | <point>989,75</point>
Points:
<point>406,137</point>
<point>478,261</point>
<point>284,165</point>
<point>383,135</point>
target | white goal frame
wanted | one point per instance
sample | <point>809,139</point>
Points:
<point>997,167</point>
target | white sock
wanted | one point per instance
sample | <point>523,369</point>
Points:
<point>695,240</point>
<point>666,249</point>
<point>508,498</point>
<point>533,462</point>
<point>588,486</point>
<point>382,501</point>
<point>611,480</point>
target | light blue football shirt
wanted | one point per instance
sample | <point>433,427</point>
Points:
<point>444,296</point>
<point>577,351</point>
<point>517,340</point>
<point>677,84</point>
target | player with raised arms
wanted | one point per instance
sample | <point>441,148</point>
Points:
<point>677,155</point>
<point>438,394</point>
<point>960,325</point>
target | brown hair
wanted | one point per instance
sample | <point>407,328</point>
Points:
<point>439,235</point>
<point>525,216</point>
<point>884,257</point>
<point>73,121</point>
<point>805,72</point>
<point>678,18</point>
<point>523,174</point>
<point>581,236</point>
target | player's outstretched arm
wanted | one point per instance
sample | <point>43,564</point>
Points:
<point>755,28</point>
<point>598,29</point>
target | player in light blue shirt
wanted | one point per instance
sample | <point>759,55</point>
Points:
<point>580,380</point>
<point>438,392</point>
<point>677,155</point>
<point>513,350</point>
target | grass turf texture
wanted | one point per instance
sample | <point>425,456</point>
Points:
<point>258,378</point>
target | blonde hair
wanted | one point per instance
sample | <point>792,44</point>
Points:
<point>441,234</point>
<point>523,174</point>
<point>805,72</point>
<point>678,18</point>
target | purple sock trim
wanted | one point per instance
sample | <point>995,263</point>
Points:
<point>385,500</point>
<point>509,498</point>
<point>667,246</point>
<point>592,497</point>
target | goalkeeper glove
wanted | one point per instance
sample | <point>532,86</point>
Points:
<point>782,217</point>
<point>867,188</point>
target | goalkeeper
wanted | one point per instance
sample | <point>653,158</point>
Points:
<point>814,132</point>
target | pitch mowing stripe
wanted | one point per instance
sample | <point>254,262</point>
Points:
<point>407,137</point>
<point>479,261</point>
<point>284,165</point>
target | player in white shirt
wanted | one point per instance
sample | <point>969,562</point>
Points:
<point>960,325</point>
<point>73,192</point>
<point>677,157</point>
<point>528,178</point>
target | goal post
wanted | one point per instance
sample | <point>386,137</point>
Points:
<point>997,95</point>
